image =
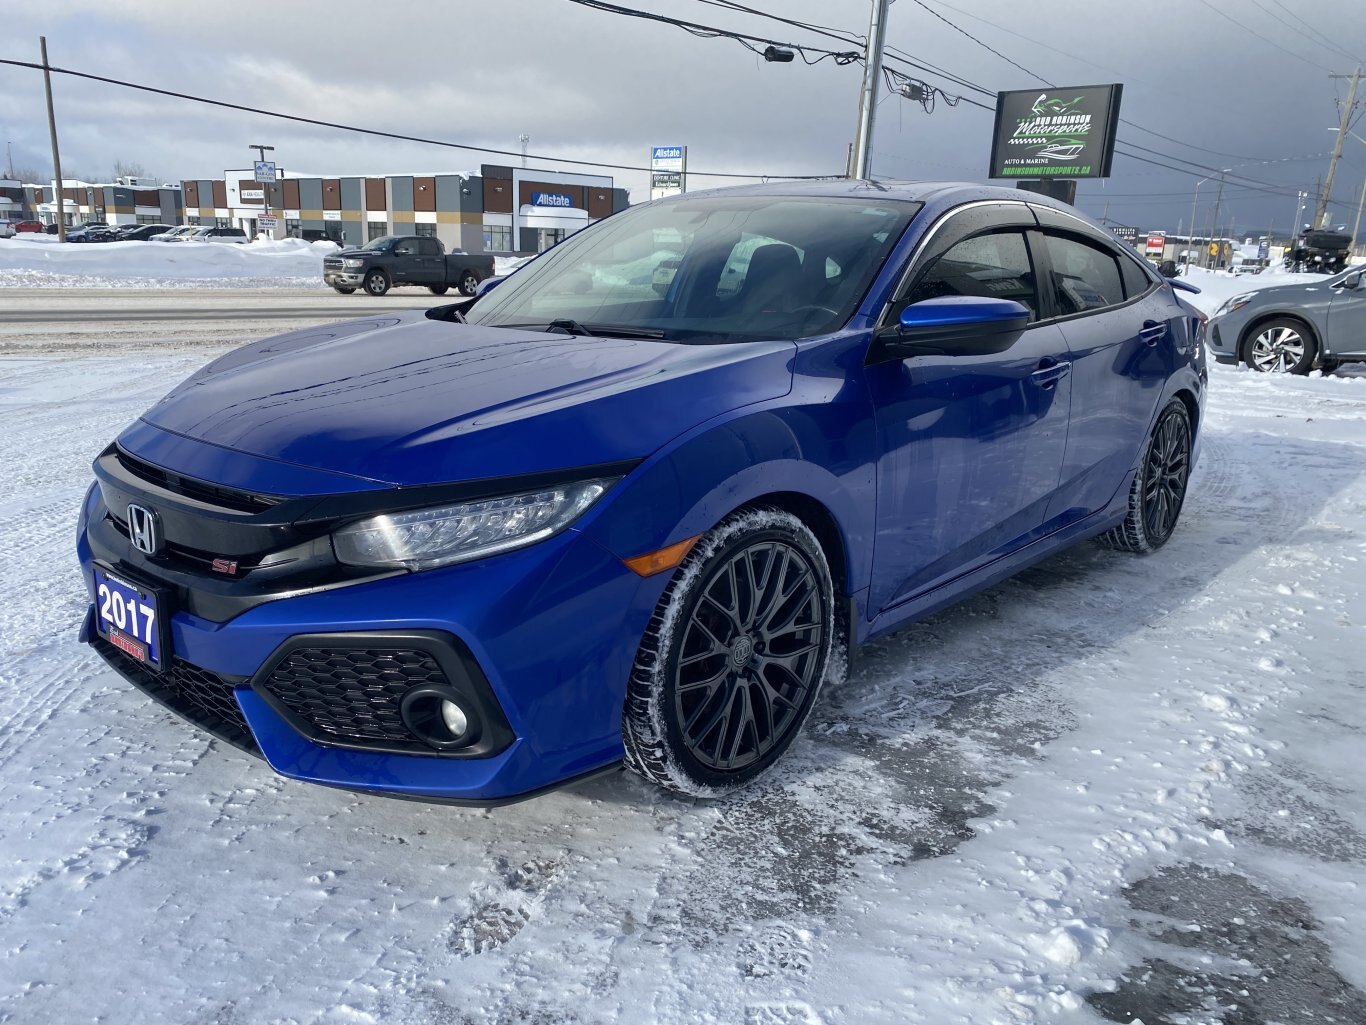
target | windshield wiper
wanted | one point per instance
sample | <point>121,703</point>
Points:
<point>573,327</point>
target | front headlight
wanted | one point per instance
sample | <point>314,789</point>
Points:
<point>1236,303</point>
<point>353,264</point>
<point>427,538</point>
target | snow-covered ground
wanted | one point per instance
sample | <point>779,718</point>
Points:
<point>1112,788</point>
<point>37,261</point>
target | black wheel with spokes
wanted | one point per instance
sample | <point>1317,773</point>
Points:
<point>734,656</point>
<point>1159,488</point>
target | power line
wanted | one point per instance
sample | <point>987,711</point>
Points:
<point>1263,38</point>
<point>1318,39</point>
<point>985,46</point>
<point>390,135</point>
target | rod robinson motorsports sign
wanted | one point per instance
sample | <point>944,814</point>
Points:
<point>1056,133</point>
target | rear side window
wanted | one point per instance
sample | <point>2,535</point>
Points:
<point>995,266</point>
<point>1085,276</point>
<point>1136,282</point>
<point>428,247</point>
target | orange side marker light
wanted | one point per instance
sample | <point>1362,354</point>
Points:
<point>665,558</point>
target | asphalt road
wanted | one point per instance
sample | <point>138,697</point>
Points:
<point>83,319</point>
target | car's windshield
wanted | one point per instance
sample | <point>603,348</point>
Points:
<point>708,269</point>
<point>381,244</point>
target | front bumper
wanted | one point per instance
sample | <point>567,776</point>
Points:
<point>542,640</point>
<point>346,279</point>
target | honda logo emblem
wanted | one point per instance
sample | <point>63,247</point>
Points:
<point>143,530</point>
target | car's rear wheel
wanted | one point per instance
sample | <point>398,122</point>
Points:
<point>1159,488</point>
<point>469,283</point>
<point>377,282</point>
<point>438,289</point>
<point>733,658</point>
<point>344,289</point>
<point>1280,346</point>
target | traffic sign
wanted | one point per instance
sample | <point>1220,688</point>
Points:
<point>267,222</point>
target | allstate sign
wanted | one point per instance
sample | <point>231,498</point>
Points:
<point>666,153</point>
<point>551,199</point>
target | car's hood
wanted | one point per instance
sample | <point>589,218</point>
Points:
<point>406,400</point>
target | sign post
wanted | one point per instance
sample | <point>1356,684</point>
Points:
<point>1057,135</point>
<point>668,171</point>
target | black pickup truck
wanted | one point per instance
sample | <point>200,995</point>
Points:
<point>381,264</point>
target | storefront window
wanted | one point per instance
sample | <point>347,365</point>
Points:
<point>497,239</point>
<point>547,237</point>
<point>377,229</point>
<point>423,230</point>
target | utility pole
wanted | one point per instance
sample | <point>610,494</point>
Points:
<point>1214,221</point>
<point>1321,212</point>
<point>52,130</point>
<point>1357,227</point>
<point>867,99</point>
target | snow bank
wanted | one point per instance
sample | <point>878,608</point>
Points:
<point>39,261</point>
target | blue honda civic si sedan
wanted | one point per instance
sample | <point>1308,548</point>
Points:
<point>638,500</point>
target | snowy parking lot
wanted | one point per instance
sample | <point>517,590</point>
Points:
<point>1112,788</point>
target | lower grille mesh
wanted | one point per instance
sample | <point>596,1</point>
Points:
<point>353,694</point>
<point>198,695</point>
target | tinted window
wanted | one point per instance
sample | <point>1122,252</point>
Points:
<point>996,266</point>
<point>405,249</point>
<point>1085,276</point>
<point>428,247</point>
<point>1135,281</point>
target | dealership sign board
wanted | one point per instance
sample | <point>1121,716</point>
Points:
<point>265,170</point>
<point>1057,133</point>
<point>1157,243</point>
<point>1125,233</point>
<point>668,171</point>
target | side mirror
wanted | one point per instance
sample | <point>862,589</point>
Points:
<point>956,326</point>
<point>1351,281</point>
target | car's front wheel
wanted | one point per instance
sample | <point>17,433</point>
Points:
<point>733,658</point>
<point>438,289</point>
<point>1281,346</point>
<point>1159,488</point>
<point>377,282</point>
<point>344,289</point>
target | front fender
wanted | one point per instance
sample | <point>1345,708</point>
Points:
<point>820,450</point>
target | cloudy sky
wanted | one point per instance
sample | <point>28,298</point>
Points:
<point>1240,84</point>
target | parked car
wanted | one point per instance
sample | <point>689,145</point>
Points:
<point>472,553</point>
<point>6,229</point>
<point>90,231</point>
<point>320,235</point>
<point>143,232</point>
<point>392,260</point>
<point>23,227</point>
<point>211,234</point>
<point>1290,329</point>
<point>177,234</point>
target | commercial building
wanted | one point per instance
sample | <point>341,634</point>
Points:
<point>499,210</point>
<point>122,201</point>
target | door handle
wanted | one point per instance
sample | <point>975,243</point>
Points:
<point>1153,332</point>
<point>1050,372</point>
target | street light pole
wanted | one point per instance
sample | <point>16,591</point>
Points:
<point>867,101</point>
<point>1191,240</point>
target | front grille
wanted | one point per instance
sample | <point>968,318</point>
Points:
<point>202,491</point>
<point>352,694</point>
<point>332,263</point>
<point>202,697</point>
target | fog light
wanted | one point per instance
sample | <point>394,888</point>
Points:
<point>455,719</point>
<point>433,713</point>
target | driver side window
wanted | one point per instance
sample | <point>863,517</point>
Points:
<point>995,266</point>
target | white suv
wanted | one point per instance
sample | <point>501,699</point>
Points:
<point>6,229</point>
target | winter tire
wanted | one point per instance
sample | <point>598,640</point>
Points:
<point>1159,488</point>
<point>1281,346</point>
<point>343,290</point>
<point>469,283</point>
<point>438,289</point>
<point>377,282</point>
<point>733,657</point>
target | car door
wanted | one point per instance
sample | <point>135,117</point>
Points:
<point>1123,347</point>
<point>404,269</point>
<point>970,447</point>
<point>431,262</point>
<point>1347,319</point>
